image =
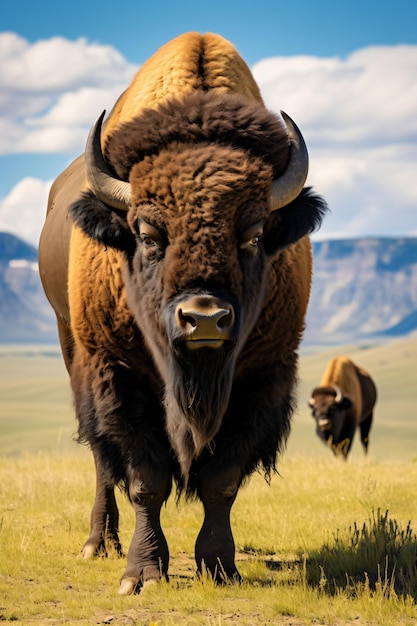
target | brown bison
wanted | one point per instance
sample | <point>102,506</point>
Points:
<point>344,401</point>
<point>175,256</point>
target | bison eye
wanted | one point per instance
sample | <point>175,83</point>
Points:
<point>151,238</point>
<point>251,238</point>
<point>147,241</point>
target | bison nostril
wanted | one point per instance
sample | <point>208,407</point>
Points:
<point>226,319</point>
<point>205,318</point>
<point>185,320</point>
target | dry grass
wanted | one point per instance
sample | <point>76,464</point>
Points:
<point>291,537</point>
<point>327,543</point>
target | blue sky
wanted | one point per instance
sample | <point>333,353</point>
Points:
<point>345,71</point>
<point>258,28</point>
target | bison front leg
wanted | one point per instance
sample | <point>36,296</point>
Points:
<point>104,521</point>
<point>365,427</point>
<point>148,555</point>
<point>215,546</point>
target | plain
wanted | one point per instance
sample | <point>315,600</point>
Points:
<point>326,542</point>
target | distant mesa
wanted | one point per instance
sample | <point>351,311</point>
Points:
<point>362,289</point>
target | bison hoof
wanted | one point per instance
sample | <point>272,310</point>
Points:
<point>90,550</point>
<point>93,548</point>
<point>227,578</point>
<point>219,574</point>
<point>129,586</point>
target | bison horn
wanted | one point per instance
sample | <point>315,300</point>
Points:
<point>288,186</point>
<point>116,192</point>
<point>103,184</point>
<point>338,394</point>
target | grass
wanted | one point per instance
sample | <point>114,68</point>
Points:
<point>327,543</point>
<point>316,546</point>
<point>36,408</point>
<point>379,555</point>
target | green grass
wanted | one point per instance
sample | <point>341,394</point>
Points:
<point>308,546</point>
<point>326,543</point>
<point>379,555</point>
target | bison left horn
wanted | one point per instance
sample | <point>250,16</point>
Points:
<point>338,396</point>
<point>288,186</point>
<point>102,182</point>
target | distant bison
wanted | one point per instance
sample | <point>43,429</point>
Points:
<point>344,401</point>
<point>176,257</point>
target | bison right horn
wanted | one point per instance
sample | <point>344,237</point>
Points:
<point>102,183</point>
<point>288,186</point>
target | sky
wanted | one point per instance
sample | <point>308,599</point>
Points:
<point>345,72</point>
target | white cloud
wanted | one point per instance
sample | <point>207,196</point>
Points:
<point>53,89</point>
<point>369,190</point>
<point>74,108</point>
<point>358,116</point>
<point>23,211</point>
<point>57,64</point>
<point>367,99</point>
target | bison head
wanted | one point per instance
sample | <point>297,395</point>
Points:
<point>190,193</point>
<point>329,408</point>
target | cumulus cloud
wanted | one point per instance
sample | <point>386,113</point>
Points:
<point>50,92</point>
<point>358,116</point>
<point>368,98</point>
<point>52,89</point>
<point>23,211</point>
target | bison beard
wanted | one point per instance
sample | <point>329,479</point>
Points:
<point>196,399</point>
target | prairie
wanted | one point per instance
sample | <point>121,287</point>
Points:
<point>326,542</point>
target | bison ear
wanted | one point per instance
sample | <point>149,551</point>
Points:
<point>102,223</point>
<point>287,225</point>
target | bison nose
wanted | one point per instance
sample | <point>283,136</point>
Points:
<point>205,321</point>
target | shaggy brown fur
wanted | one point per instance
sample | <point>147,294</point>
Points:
<point>223,119</point>
<point>337,421</point>
<point>200,151</point>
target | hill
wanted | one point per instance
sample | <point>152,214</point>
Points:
<point>362,289</point>
<point>25,314</point>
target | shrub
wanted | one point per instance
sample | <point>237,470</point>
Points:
<point>379,555</point>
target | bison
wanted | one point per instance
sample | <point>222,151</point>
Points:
<point>344,401</point>
<point>176,256</point>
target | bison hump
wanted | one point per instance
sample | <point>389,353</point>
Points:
<point>185,64</point>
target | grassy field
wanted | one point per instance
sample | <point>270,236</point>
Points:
<point>36,410</point>
<point>326,543</point>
